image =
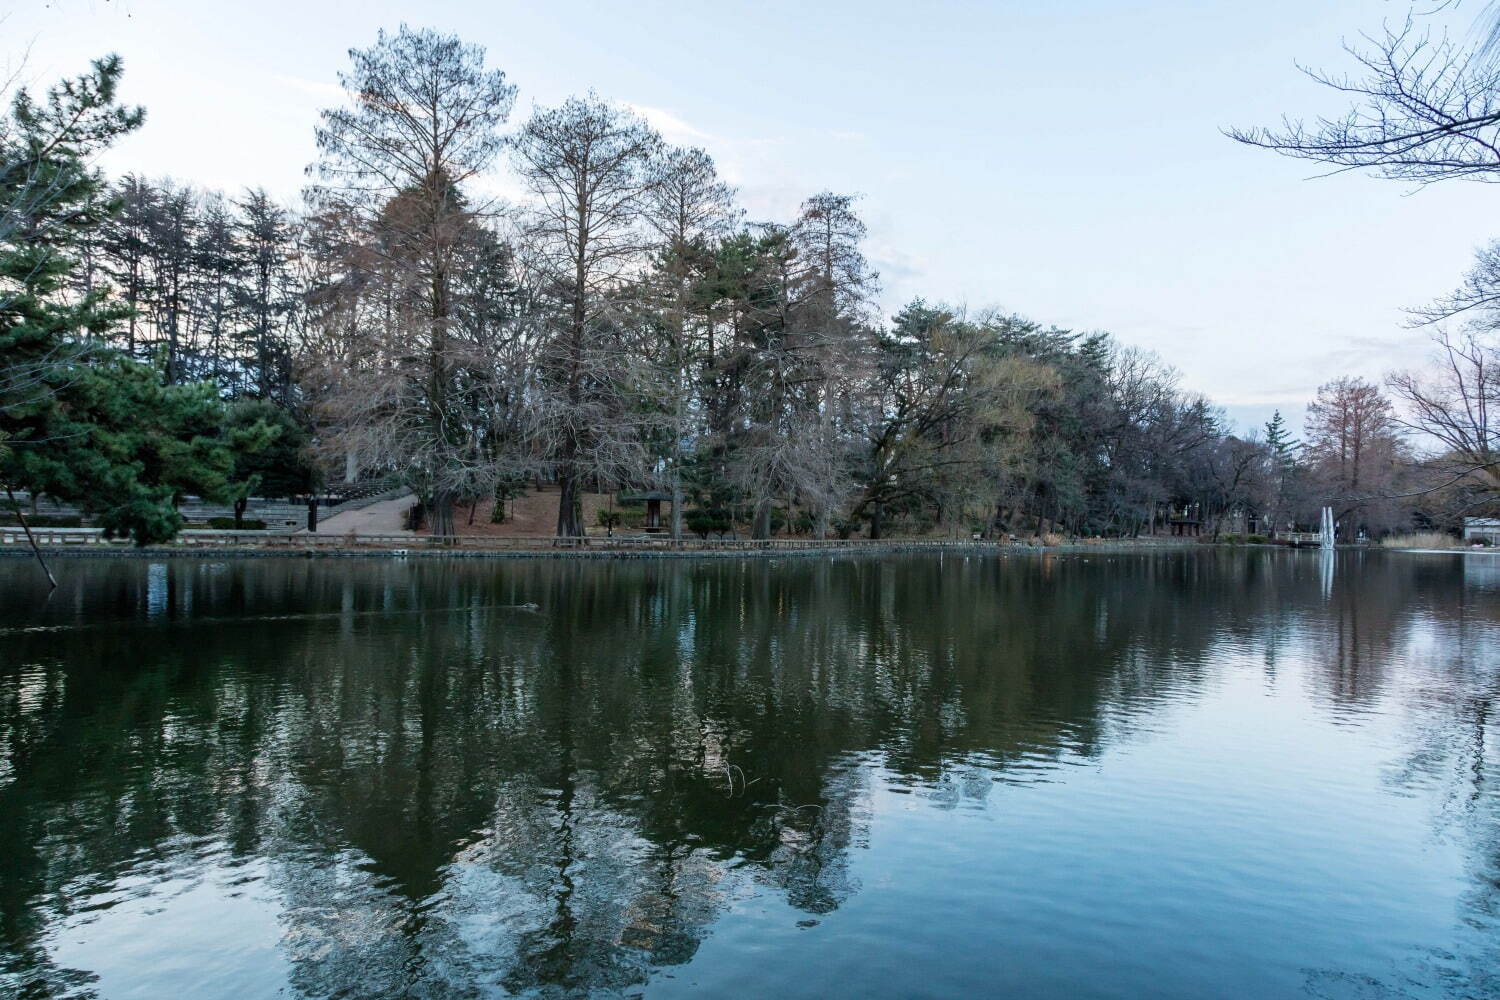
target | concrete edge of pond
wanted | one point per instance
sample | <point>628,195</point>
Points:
<point>894,547</point>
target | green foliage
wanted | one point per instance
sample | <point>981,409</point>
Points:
<point>227,524</point>
<point>1279,440</point>
<point>609,519</point>
<point>707,522</point>
<point>844,527</point>
<point>270,451</point>
<point>81,423</point>
<point>110,438</point>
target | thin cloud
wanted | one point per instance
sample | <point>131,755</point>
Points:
<point>327,93</point>
<point>672,127</point>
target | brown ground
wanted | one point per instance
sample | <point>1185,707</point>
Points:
<point>535,516</point>
<point>531,516</point>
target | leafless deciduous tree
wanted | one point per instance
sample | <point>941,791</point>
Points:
<point>1355,447</point>
<point>423,119</point>
<point>587,164</point>
<point>1455,404</point>
<point>1425,110</point>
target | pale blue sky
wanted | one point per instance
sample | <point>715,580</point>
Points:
<point>1061,160</point>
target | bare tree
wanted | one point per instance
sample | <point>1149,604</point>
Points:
<point>587,164</point>
<point>1425,110</point>
<point>1455,404</point>
<point>423,120</point>
<point>1354,447</point>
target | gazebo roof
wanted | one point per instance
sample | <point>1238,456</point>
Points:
<point>647,495</point>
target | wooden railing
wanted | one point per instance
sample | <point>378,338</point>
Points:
<point>1301,539</point>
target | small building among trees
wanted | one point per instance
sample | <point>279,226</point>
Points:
<point>1482,530</point>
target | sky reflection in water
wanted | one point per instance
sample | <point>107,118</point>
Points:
<point>1176,774</point>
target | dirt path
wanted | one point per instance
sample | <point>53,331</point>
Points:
<point>385,517</point>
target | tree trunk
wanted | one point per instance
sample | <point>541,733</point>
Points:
<point>569,504</point>
<point>676,503</point>
<point>877,516</point>
<point>440,514</point>
<point>239,512</point>
<point>35,549</point>
<point>761,528</point>
<point>351,465</point>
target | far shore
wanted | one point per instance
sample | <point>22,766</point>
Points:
<point>421,547</point>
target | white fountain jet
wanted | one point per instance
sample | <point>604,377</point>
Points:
<point>1325,534</point>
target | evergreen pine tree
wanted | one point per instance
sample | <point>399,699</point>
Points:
<point>1280,441</point>
<point>78,420</point>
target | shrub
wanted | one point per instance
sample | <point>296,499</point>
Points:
<point>609,519</point>
<point>1257,540</point>
<point>707,522</point>
<point>227,524</point>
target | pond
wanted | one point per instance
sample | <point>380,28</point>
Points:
<point>1186,773</point>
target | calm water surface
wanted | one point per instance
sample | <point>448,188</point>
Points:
<point>1190,774</point>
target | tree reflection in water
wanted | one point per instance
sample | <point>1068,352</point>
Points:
<point>450,793</point>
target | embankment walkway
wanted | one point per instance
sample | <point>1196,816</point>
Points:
<point>218,544</point>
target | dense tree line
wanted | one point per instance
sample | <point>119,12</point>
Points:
<point>621,326</point>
